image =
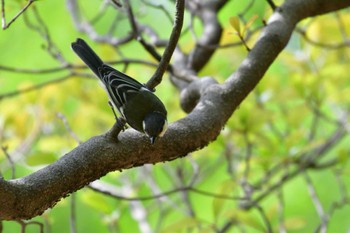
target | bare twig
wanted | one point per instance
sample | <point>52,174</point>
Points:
<point>68,128</point>
<point>272,4</point>
<point>24,225</point>
<point>73,222</point>
<point>248,191</point>
<point>169,50</point>
<point>35,87</point>
<point>36,71</point>
<point>125,61</point>
<point>317,203</point>
<point>4,25</point>
<point>265,218</point>
<point>160,7</point>
<point>41,28</point>
<point>112,192</point>
<point>343,201</point>
<point>84,26</point>
<point>185,194</point>
<point>281,207</point>
<point>307,161</point>
<point>136,32</point>
<point>12,164</point>
<point>342,27</point>
<point>339,45</point>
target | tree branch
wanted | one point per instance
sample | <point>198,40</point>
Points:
<point>29,196</point>
<point>169,50</point>
<point>7,25</point>
<point>212,30</point>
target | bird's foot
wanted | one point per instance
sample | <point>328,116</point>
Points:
<point>118,126</point>
<point>112,107</point>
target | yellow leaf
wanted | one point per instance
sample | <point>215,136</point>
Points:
<point>295,223</point>
<point>180,225</point>
<point>234,21</point>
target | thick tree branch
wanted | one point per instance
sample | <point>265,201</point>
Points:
<point>212,30</point>
<point>29,196</point>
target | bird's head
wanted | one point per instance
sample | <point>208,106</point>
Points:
<point>154,125</point>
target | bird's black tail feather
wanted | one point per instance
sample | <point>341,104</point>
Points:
<point>83,50</point>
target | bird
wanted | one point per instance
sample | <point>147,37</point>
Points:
<point>138,105</point>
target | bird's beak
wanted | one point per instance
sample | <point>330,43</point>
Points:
<point>153,139</point>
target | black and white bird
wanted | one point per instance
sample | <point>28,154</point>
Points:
<point>138,106</point>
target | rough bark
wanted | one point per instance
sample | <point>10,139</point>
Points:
<point>29,196</point>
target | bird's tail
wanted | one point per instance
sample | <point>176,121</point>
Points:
<point>83,50</point>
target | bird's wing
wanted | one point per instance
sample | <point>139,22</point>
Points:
<point>121,87</point>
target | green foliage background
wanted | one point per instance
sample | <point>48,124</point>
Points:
<point>303,78</point>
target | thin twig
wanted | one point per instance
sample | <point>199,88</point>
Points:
<point>307,160</point>
<point>343,201</point>
<point>161,7</point>
<point>12,164</point>
<point>342,27</point>
<point>3,13</point>
<point>41,28</point>
<point>169,50</point>
<point>37,71</point>
<point>68,128</point>
<point>84,26</point>
<point>136,32</point>
<point>248,191</point>
<point>72,216</point>
<point>281,207</point>
<point>112,193</point>
<point>4,25</point>
<point>265,218</point>
<point>272,4</point>
<point>24,225</point>
<point>185,194</point>
<point>35,87</point>
<point>317,203</point>
<point>345,43</point>
<point>125,61</point>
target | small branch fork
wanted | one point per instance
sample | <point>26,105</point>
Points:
<point>3,18</point>
<point>171,45</point>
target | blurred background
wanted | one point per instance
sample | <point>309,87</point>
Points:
<point>280,163</point>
